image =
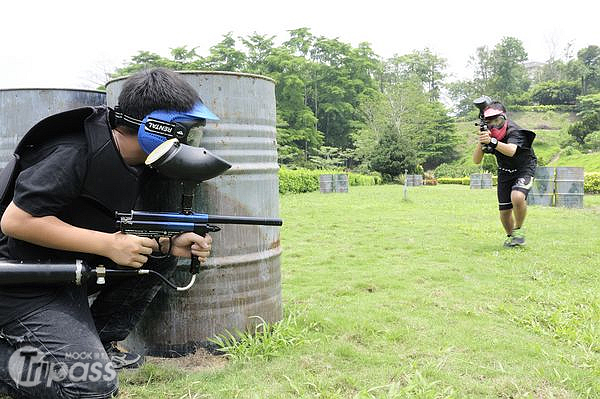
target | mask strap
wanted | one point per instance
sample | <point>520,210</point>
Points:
<point>117,117</point>
<point>166,129</point>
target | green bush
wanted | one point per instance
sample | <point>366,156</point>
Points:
<point>449,180</point>
<point>454,180</point>
<point>447,170</point>
<point>466,180</point>
<point>297,181</point>
<point>591,184</point>
<point>307,180</point>
<point>555,93</point>
<point>355,179</point>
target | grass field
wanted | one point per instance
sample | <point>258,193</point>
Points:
<point>386,298</point>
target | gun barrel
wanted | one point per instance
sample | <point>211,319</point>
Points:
<point>244,220</point>
<point>196,218</point>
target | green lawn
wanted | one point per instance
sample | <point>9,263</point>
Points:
<point>386,298</point>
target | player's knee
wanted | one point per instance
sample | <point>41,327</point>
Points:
<point>96,380</point>
<point>517,198</point>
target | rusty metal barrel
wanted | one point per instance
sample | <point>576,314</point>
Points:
<point>241,279</point>
<point>414,180</point>
<point>341,182</point>
<point>326,183</point>
<point>480,180</point>
<point>333,183</point>
<point>542,191</point>
<point>569,187</point>
<point>20,109</point>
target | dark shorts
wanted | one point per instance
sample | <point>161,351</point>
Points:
<point>508,184</point>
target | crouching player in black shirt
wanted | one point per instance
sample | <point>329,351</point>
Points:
<point>516,167</point>
<point>76,169</point>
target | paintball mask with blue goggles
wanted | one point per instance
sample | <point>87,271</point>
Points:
<point>163,136</point>
<point>162,125</point>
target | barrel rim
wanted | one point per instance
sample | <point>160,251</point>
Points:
<point>53,88</point>
<point>201,72</point>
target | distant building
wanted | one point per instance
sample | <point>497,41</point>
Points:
<point>534,69</point>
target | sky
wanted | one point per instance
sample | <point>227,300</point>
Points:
<point>75,44</point>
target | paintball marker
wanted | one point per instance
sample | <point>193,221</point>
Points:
<point>190,165</point>
<point>143,224</point>
<point>164,224</point>
<point>482,103</point>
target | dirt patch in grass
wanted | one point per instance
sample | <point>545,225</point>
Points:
<point>201,360</point>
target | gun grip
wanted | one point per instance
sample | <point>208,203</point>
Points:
<point>194,265</point>
<point>194,262</point>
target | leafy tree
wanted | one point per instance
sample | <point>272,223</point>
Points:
<point>510,76</point>
<point>437,139</point>
<point>298,124</point>
<point>489,163</point>
<point>422,65</point>
<point>143,60</point>
<point>498,73</point>
<point>322,87</point>
<point>340,74</point>
<point>551,93</point>
<point>589,57</point>
<point>462,93</point>
<point>552,71</point>
<point>225,57</point>
<point>393,154</point>
<point>422,127</point>
<point>483,70</point>
<point>592,141</point>
<point>259,47</point>
<point>300,42</point>
<point>589,118</point>
<point>331,157</point>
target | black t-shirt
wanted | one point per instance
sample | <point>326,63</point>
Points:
<point>51,179</point>
<point>524,161</point>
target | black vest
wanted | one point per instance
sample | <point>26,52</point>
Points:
<point>109,186</point>
<point>524,160</point>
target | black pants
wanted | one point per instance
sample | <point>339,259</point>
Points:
<point>58,351</point>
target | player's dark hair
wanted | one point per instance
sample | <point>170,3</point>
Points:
<point>156,89</point>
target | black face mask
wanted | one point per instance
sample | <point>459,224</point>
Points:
<point>184,162</point>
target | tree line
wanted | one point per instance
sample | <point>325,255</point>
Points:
<point>345,106</point>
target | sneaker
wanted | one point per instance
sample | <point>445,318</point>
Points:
<point>122,359</point>
<point>508,241</point>
<point>518,237</point>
